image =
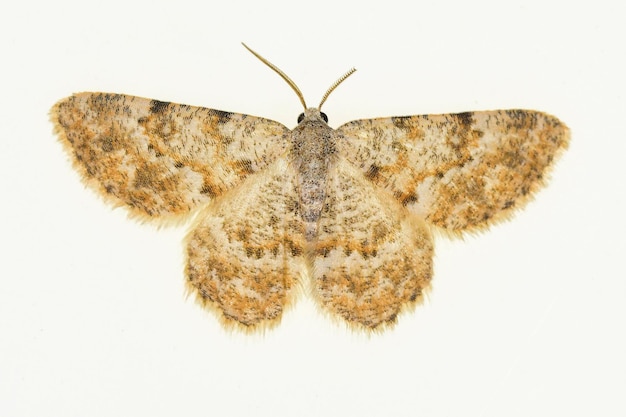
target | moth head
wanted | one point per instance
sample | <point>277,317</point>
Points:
<point>307,111</point>
<point>312,114</point>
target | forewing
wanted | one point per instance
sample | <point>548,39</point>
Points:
<point>371,257</point>
<point>246,253</point>
<point>162,159</point>
<point>457,171</point>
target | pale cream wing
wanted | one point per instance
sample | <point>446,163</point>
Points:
<point>457,171</point>
<point>372,257</point>
<point>162,159</point>
<point>246,253</point>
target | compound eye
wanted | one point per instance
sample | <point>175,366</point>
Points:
<point>324,117</point>
<point>300,118</point>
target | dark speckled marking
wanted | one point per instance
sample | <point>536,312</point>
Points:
<point>401,122</point>
<point>409,199</point>
<point>373,172</point>
<point>157,106</point>
<point>209,190</point>
<point>406,199</point>
<point>107,144</point>
<point>222,116</point>
<point>465,119</point>
<point>295,250</point>
<point>245,165</point>
<point>521,120</point>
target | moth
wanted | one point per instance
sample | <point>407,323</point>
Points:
<point>347,213</point>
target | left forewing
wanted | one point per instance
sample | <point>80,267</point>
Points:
<point>162,160</point>
<point>457,171</point>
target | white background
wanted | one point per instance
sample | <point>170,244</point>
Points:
<point>527,319</point>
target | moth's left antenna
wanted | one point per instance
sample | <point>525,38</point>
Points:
<point>279,72</point>
<point>335,85</point>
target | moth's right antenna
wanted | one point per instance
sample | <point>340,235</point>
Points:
<point>282,74</point>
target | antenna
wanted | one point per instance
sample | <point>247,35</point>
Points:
<point>335,85</point>
<point>279,72</point>
<point>293,85</point>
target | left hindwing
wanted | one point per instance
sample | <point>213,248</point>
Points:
<point>246,252</point>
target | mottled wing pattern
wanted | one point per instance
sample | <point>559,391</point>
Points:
<point>457,171</point>
<point>371,256</point>
<point>246,253</point>
<point>162,159</point>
